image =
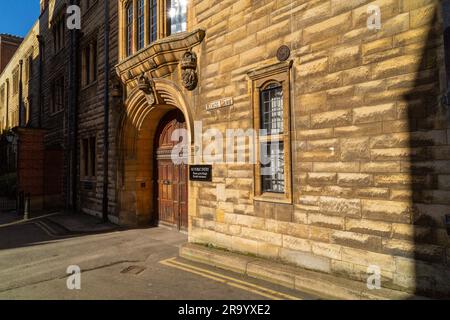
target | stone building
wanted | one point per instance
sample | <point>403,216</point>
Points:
<point>19,112</point>
<point>356,120</point>
<point>70,103</point>
<point>17,87</point>
<point>350,117</point>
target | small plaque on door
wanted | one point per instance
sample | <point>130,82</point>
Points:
<point>200,173</point>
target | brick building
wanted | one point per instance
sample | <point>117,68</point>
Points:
<point>355,120</point>
<point>358,131</point>
<point>8,46</point>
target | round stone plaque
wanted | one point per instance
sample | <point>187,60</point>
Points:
<point>283,53</point>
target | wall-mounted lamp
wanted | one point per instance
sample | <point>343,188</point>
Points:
<point>10,136</point>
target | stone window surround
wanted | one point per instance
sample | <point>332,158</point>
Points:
<point>58,92</point>
<point>92,173</point>
<point>58,32</point>
<point>260,78</point>
<point>15,74</point>
<point>29,65</point>
<point>92,43</point>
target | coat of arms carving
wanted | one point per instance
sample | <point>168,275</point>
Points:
<point>189,70</point>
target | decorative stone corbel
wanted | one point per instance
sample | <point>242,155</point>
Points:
<point>116,86</point>
<point>189,70</point>
<point>146,86</point>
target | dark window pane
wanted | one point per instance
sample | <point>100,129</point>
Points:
<point>94,61</point>
<point>93,154</point>
<point>447,52</point>
<point>153,20</point>
<point>86,157</point>
<point>88,64</point>
<point>130,29</point>
<point>141,25</point>
<point>272,110</point>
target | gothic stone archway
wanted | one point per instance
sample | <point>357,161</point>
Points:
<point>137,188</point>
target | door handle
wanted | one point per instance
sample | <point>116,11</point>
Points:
<point>167,182</point>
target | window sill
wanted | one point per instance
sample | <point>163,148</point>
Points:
<point>273,197</point>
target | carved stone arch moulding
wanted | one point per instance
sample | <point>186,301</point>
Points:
<point>161,92</point>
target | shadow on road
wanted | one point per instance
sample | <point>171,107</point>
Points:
<point>15,232</point>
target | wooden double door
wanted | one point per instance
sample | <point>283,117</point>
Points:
<point>172,175</point>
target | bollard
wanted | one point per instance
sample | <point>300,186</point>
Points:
<point>20,204</point>
<point>26,207</point>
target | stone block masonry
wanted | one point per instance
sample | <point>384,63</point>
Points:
<point>369,137</point>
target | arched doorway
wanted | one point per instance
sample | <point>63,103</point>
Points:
<point>172,176</point>
<point>140,128</point>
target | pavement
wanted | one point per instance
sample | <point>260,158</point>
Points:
<point>115,263</point>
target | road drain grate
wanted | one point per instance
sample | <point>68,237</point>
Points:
<point>133,270</point>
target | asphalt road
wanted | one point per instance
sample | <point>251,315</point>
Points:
<point>129,264</point>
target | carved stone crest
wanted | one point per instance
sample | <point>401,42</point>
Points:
<point>189,70</point>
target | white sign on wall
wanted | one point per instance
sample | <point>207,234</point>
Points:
<point>227,102</point>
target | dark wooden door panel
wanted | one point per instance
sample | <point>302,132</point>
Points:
<point>172,178</point>
<point>183,187</point>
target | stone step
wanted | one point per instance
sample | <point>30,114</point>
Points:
<point>315,283</point>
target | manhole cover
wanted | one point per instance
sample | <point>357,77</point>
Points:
<point>133,270</point>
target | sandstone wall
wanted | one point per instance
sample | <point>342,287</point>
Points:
<point>370,140</point>
<point>91,107</point>
<point>28,48</point>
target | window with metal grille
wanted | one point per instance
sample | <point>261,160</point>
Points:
<point>272,151</point>
<point>140,24</point>
<point>272,170</point>
<point>130,29</point>
<point>272,109</point>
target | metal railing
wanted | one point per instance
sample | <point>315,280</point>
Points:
<point>7,205</point>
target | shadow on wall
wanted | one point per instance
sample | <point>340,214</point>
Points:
<point>426,115</point>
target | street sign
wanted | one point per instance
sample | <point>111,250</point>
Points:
<point>202,173</point>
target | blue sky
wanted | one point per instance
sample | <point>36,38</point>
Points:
<point>18,16</point>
